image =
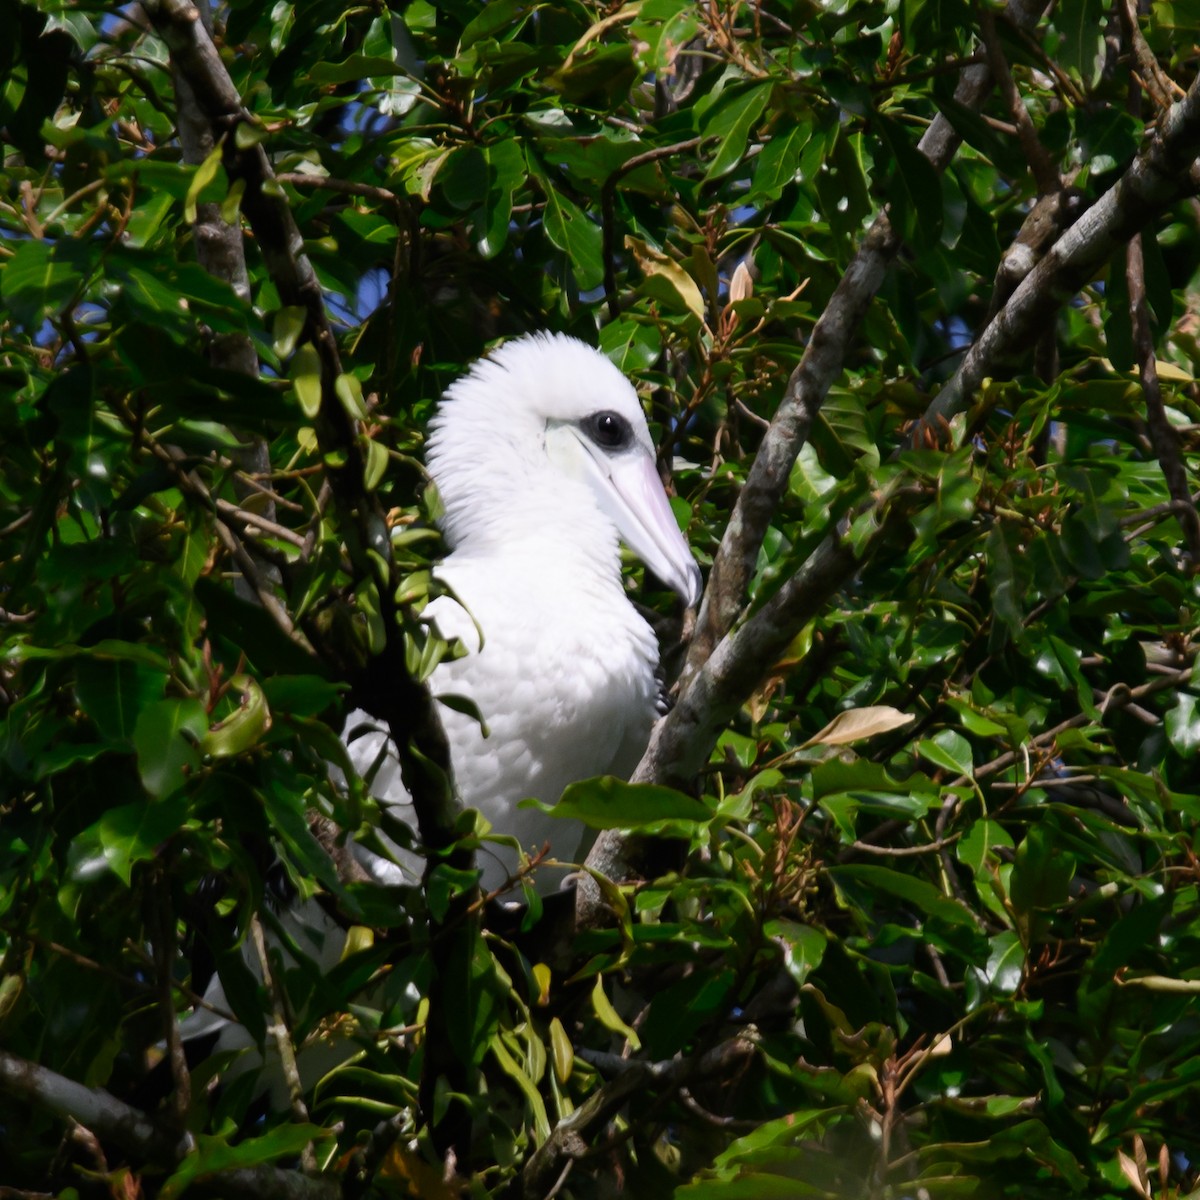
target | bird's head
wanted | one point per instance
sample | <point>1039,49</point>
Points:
<point>547,431</point>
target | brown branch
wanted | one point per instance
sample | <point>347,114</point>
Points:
<point>897,851</point>
<point>382,685</point>
<point>1041,165</point>
<point>1162,173</point>
<point>387,689</point>
<point>345,187</point>
<point>822,362</point>
<point>1153,78</point>
<point>682,741</point>
<point>1163,436</point>
<point>138,1135</point>
<point>109,1118</point>
<point>244,517</point>
<point>161,913</point>
<point>173,458</point>
<point>280,1033</point>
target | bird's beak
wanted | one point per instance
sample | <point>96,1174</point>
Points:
<point>631,494</point>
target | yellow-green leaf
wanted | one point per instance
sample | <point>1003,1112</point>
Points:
<point>349,392</point>
<point>376,465</point>
<point>306,379</point>
<point>609,1017</point>
<point>562,1053</point>
<point>666,280</point>
<point>287,328</point>
<point>206,172</point>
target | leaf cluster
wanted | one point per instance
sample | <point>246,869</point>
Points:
<point>922,923</point>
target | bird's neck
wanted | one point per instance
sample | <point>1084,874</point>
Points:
<point>526,522</point>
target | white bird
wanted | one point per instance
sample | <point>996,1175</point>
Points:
<point>543,463</point>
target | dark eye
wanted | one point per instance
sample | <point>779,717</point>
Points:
<point>608,429</point>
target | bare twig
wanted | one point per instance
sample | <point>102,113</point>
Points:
<point>346,187</point>
<point>280,1033</point>
<point>161,912</point>
<point>1154,79</point>
<point>1041,165</point>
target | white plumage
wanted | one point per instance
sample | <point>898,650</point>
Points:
<point>543,461</point>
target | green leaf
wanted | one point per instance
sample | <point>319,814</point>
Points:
<point>1042,870</point>
<point>1006,963</point>
<point>245,727</point>
<point>609,1017</point>
<point>632,345</point>
<point>1081,24</point>
<point>205,173</point>
<point>39,278</point>
<point>923,895</point>
<point>571,231</point>
<point>376,465</point>
<point>914,191</point>
<point>610,803</point>
<point>349,392</point>
<point>305,374</point>
<point>731,120</point>
<point>133,833</point>
<point>288,326</point>
<point>949,750</point>
<point>166,737</point>
<point>113,692</point>
<point>779,162</point>
<point>1183,725</point>
<point>213,1155</point>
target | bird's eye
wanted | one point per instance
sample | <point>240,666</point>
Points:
<point>608,429</point>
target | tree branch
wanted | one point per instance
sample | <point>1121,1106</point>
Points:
<point>109,1118</point>
<point>824,357</point>
<point>382,684</point>
<point>385,687</point>
<point>1161,174</point>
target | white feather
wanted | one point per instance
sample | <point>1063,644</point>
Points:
<point>565,679</point>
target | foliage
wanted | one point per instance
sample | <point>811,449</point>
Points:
<point>949,955</point>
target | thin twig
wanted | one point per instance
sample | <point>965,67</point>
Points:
<point>1041,165</point>
<point>608,216</point>
<point>281,1034</point>
<point>161,912</point>
<point>348,187</point>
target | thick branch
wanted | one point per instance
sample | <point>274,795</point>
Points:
<point>1160,175</point>
<point>110,1119</point>
<point>383,684</point>
<point>137,1135</point>
<point>821,364</point>
<point>684,738</point>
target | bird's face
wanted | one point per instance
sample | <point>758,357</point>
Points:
<point>611,452</point>
<point>554,408</point>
